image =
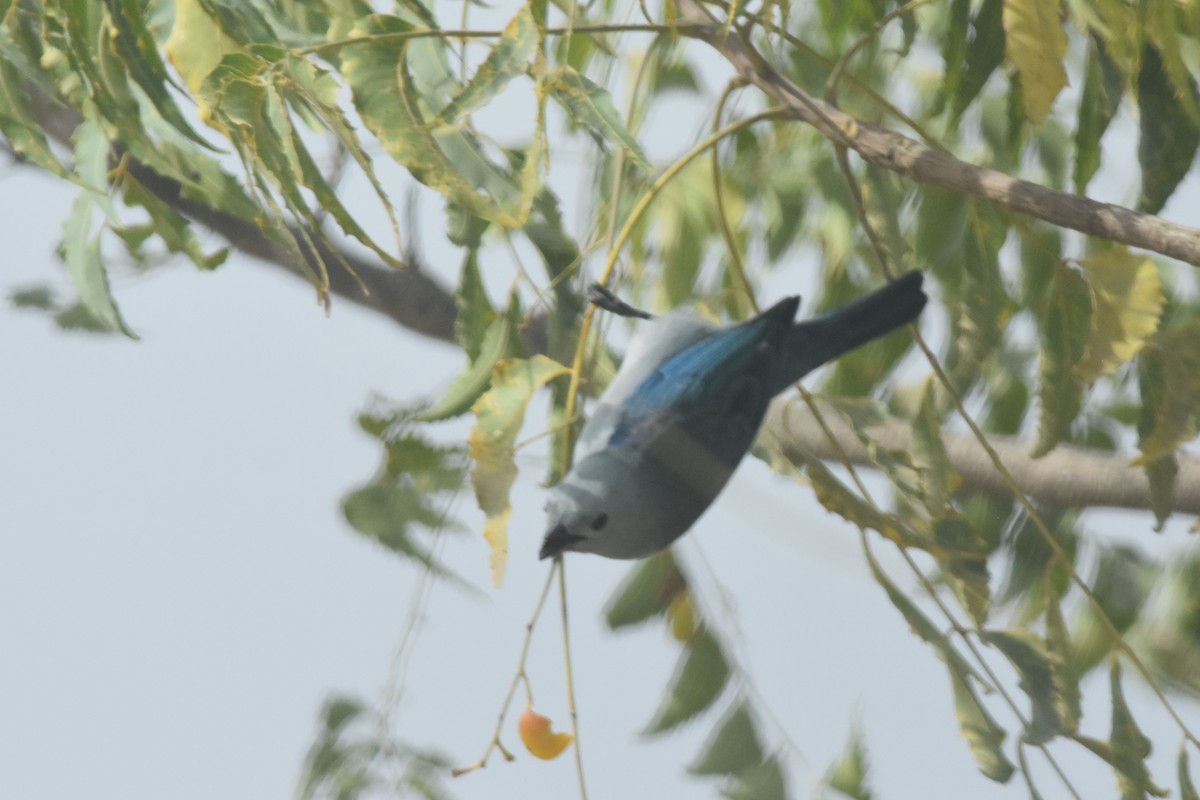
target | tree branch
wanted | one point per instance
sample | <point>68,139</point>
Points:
<point>1067,477</point>
<point>904,156</point>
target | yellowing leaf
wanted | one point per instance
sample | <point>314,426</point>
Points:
<point>1035,44</point>
<point>499,414</point>
<point>539,739</point>
<point>195,47</point>
<point>508,59</point>
<point>1127,300</point>
<point>681,615</point>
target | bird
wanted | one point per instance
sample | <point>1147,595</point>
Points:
<point>685,406</point>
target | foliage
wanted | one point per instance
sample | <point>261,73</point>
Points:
<point>1105,338</point>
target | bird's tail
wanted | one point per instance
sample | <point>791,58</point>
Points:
<point>816,341</point>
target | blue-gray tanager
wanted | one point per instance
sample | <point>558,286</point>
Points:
<point>684,408</point>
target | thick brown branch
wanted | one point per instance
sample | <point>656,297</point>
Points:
<point>1067,477</point>
<point>904,156</point>
<point>406,296</point>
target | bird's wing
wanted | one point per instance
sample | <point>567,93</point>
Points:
<point>714,392</point>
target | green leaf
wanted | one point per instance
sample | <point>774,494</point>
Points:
<point>410,492</point>
<point>921,625</point>
<point>1066,683</point>
<point>699,678</point>
<point>138,52</point>
<point>172,228</point>
<point>954,50</point>
<point>80,247</point>
<point>646,591</point>
<point>985,51</point>
<point>983,734</point>
<point>732,747</point>
<point>1170,380</point>
<point>386,97</point>
<point>1036,44</point>
<point>589,105</point>
<point>499,414</point>
<point>962,553</point>
<point>939,480</point>
<point>836,497</point>
<point>475,311</point>
<point>761,782</point>
<point>848,774</point>
<point>18,124</point>
<point>1036,667</point>
<point>1187,789</point>
<point>467,387</point>
<point>1127,301</point>
<point>1066,326</point>
<point>980,307</point>
<point>1103,87</point>
<point>1122,583</point>
<point>1169,135</point>
<point>507,59</point>
<point>40,298</point>
<point>1130,747</point>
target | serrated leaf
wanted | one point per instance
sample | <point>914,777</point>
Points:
<point>1123,580</point>
<point>591,106</point>
<point>1187,789</point>
<point>939,480</point>
<point>475,311</point>
<point>848,774</point>
<point>388,101</point>
<point>466,388</point>
<point>1058,643</point>
<point>80,247</point>
<point>836,497</point>
<point>761,782</point>
<point>1170,380</point>
<point>700,676</point>
<point>1036,667</point>
<point>985,51</point>
<point>1103,87</point>
<point>499,414</point>
<point>983,734</point>
<point>1130,747</point>
<point>18,124</point>
<point>921,625</point>
<point>1035,44</point>
<point>646,591</point>
<point>1127,301</point>
<point>172,228</point>
<point>1169,135</point>
<point>962,553</point>
<point>1066,326</point>
<point>732,747</point>
<point>979,301</point>
<point>138,52</point>
<point>196,45</point>
<point>507,59</point>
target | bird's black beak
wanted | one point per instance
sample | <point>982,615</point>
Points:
<point>557,541</point>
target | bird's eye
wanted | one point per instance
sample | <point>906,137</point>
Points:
<point>599,522</point>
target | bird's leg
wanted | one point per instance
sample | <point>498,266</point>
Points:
<point>604,299</point>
